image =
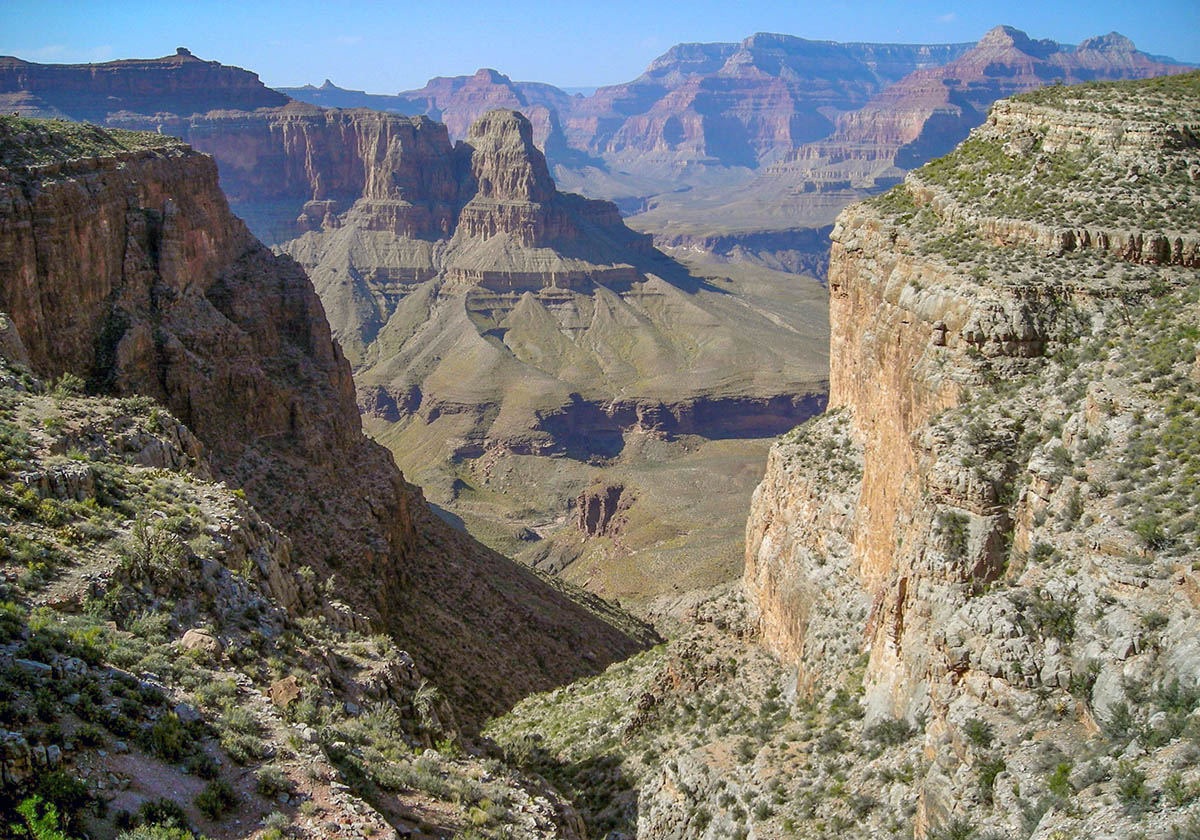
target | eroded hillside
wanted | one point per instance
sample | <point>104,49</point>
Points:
<point>533,346</point>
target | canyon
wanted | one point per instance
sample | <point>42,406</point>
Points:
<point>976,571</point>
<point>486,314</point>
<point>127,269</point>
<point>961,601</point>
<point>740,151</point>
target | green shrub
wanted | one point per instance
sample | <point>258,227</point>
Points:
<point>952,527</point>
<point>169,739</point>
<point>1135,797</point>
<point>216,800</point>
<point>989,769</point>
<point>890,732</point>
<point>1059,782</point>
<point>162,811</point>
<point>152,553</point>
<point>42,820</point>
<point>271,781</point>
<point>66,793</point>
<point>979,732</point>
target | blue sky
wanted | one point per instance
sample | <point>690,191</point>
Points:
<point>384,47</point>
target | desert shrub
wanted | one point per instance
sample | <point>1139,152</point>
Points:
<point>66,793</point>
<point>217,799</point>
<point>162,811</point>
<point>1059,782</point>
<point>152,553</point>
<point>1135,797</point>
<point>890,732</point>
<point>169,739</point>
<point>157,832</point>
<point>1047,615</point>
<point>989,769</point>
<point>203,766</point>
<point>979,732</point>
<point>952,527</point>
<point>956,829</point>
<point>271,781</point>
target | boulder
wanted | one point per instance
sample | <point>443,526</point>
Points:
<point>202,641</point>
<point>284,692</point>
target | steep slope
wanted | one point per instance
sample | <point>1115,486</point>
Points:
<point>997,505</point>
<point>164,659</point>
<point>120,262</point>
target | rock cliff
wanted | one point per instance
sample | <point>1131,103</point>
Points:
<point>738,104</point>
<point>986,511</point>
<point>121,263</point>
<point>870,146</point>
<point>175,84</point>
<point>930,111</point>
<point>483,310</point>
<point>458,101</point>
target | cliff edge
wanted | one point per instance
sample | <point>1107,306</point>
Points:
<point>996,510</point>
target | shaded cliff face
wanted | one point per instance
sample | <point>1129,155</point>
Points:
<point>982,512</point>
<point>176,84</point>
<point>125,266</point>
<point>286,169</point>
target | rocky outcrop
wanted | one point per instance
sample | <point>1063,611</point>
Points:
<point>602,510</point>
<point>952,519</point>
<point>128,268</point>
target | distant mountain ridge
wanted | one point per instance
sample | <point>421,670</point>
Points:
<point>178,84</point>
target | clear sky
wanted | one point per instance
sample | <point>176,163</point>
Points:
<point>384,47</point>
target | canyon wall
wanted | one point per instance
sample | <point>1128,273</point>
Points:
<point>950,516</point>
<point>125,266</point>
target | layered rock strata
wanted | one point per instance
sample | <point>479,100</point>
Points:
<point>930,111</point>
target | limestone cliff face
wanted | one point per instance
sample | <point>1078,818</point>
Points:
<point>296,168</point>
<point>961,394</point>
<point>738,104</point>
<point>127,267</point>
